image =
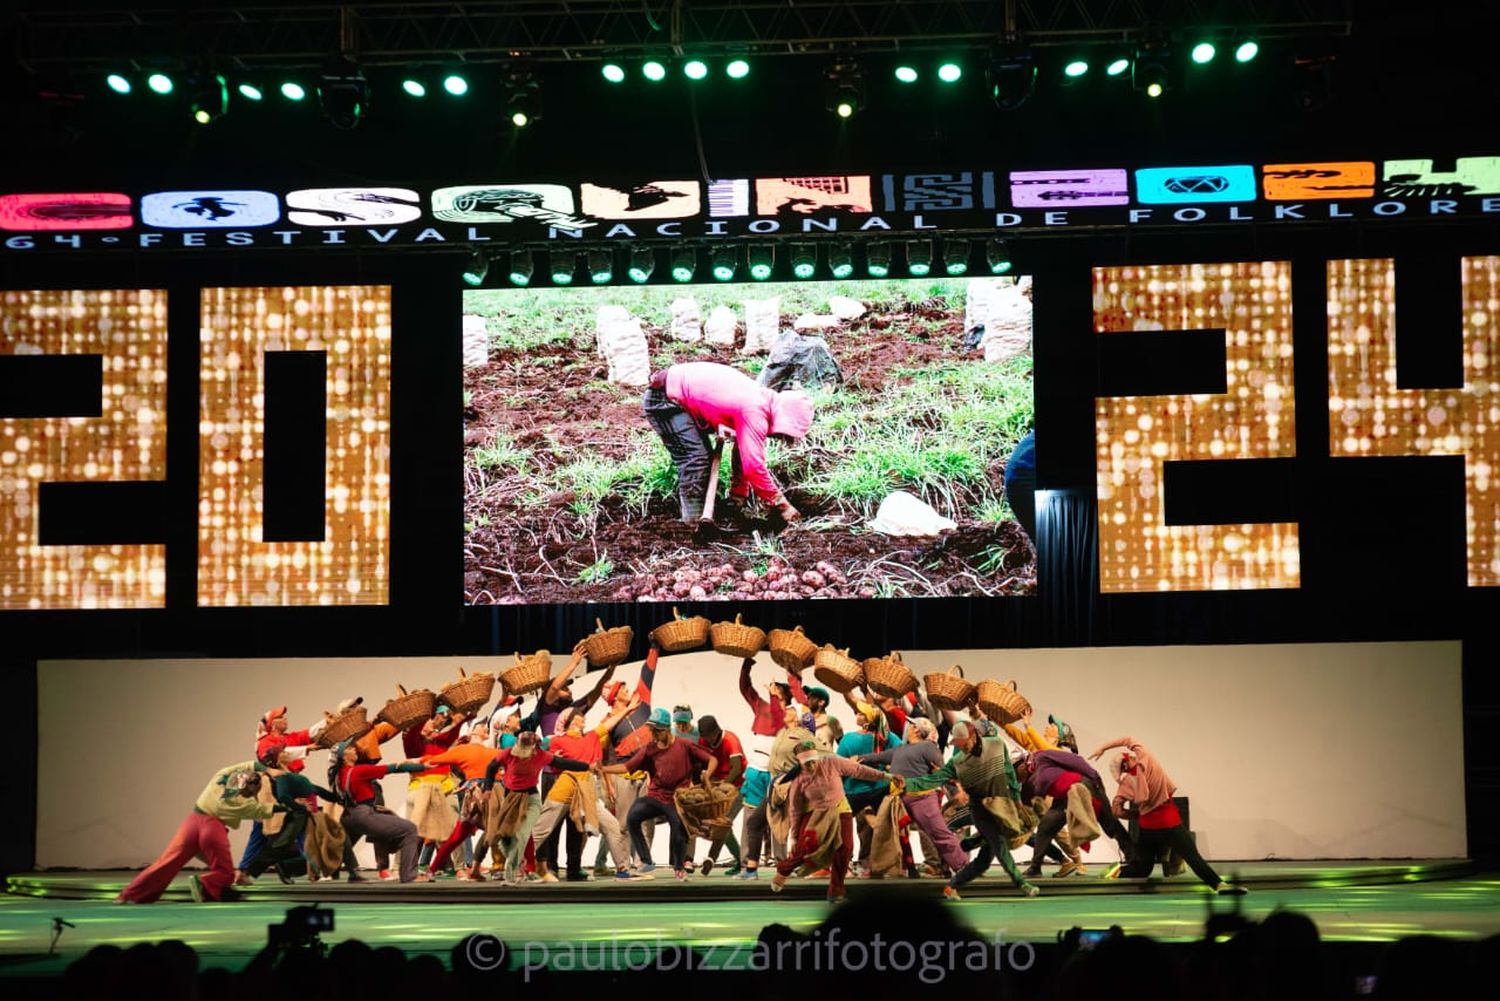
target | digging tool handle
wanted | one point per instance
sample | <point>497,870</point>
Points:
<point>713,481</point>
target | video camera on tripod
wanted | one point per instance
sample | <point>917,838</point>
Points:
<point>301,928</point>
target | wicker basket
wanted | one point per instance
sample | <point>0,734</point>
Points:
<point>408,709</point>
<point>791,649</point>
<point>837,670</point>
<point>1002,703</point>
<point>469,693</point>
<point>608,647</point>
<point>889,677</point>
<point>737,639</point>
<point>681,634</point>
<point>950,690</point>
<point>529,674</point>
<point>352,725</point>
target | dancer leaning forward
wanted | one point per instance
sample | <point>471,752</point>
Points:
<point>982,767</point>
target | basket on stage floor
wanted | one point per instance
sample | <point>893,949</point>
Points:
<point>469,693</point>
<point>889,677</point>
<point>408,709</point>
<point>838,670</point>
<point>681,634</point>
<point>950,690</point>
<point>351,725</point>
<point>530,673</point>
<point>791,649</point>
<point>736,639</point>
<point>608,647</point>
<point>1002,703</point>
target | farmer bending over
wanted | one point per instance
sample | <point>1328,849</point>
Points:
<point>688,401</point>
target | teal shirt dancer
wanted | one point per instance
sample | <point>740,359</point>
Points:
<point>854,744</point>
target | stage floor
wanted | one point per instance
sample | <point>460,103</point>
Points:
<point>1363,901</point>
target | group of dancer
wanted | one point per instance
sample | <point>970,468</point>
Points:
<point>531,783</point>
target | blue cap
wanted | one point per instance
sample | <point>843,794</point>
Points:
<point>660,718</point>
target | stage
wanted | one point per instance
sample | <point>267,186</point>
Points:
<point>1351,901</point>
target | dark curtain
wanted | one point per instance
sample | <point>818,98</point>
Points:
<point>1067,565</point>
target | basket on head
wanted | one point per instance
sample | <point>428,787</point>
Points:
<point>889,677</point>
<point>791,649</point>
<point>469,693</point>
<point>408,709</point>
<point>530,673</point>
<point>681,634</point>
<point>1001,703</point>
<point>350,725</point>
<point>837,670</point>
<point>949,690</point>
<point>737,639</point>
<point>608,647</point>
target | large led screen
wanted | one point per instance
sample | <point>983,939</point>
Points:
<point>861,433</point>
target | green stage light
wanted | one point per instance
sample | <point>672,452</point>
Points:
<point>613,72</point>
<point>726,262</point>
<point>695,69</point>
<point>477,268</point>
<point>455,85</point>
<point>878,260</point>
<point>293,91</point>
<point>561,266</point>
<point>997,256</point>
<point>919,258</point>
<point>684,264</point>
<point>653,71</point>
<point>416,88</point>
<point>841,260</point>
<point>118,83</point>
<point>950,72</point>
<point>1203,53</point>
<point>1076,68</point>
<point>601,267</point>
<point>906,74</point>
<point>159,83</point>
<point>762,261</point>
<point>1153,89</point>
<point>520,119</point>
<point>737,69</point>
<point>1117,67</point>
<point>804,260</point>
<point>642,264</point>
<point>1246,50</point>
<point>844,109</point>
<point>956,257</point>
<point>250,92</point>
<point>522,267</point>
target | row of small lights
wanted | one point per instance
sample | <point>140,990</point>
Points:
<point>655,71</point>
<point>725,262</point>
<point>161,83</point>
<point>1202,54</point>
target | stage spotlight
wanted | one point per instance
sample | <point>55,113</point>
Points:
<point>343,92</point>
<point>844,89</point>
<point>159,83</point>
<point>1012,75</point>
<point>210,99</point>
<point>841,259</point>
<point>878,260</point>
<point>522,267</point>
<point>1246,50</point>
<point>906,74</point>
<point>726,261</point>
<point>523,100</point>
<point>613,72</point>
<point>601,266</point>
<point>762,261</point>
<point>684,264</point>
<point>950,72</point>
<point>642,264</point>
<point>956,257</point>
<point>919,258</point>
<point>997,256</point>
<point>1203,53</point>
<point>1076,68</point>
<point>737,69</point>
<point>251,92</point>
<point>804,260</point>
<point>1150,69</point>
<point>455,84</point>
<point>654,71</point>
<point>414,87</point>
<point>695,69</point>
<point>477,269</point>
<point>1312,81</point>
<point>561,264</point>
<point>293,91</point>
<point>1117,66</point>
<point>117,83</point>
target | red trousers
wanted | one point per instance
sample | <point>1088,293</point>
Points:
<point>200,836</point>
<point>804,845</point>
<point>461,830</point>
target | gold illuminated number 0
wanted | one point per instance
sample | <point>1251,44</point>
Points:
<point>1254,419</point>
<point>351,565</point>
<point>1369,416</point>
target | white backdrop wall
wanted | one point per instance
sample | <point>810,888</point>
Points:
<point>1288,751</point>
